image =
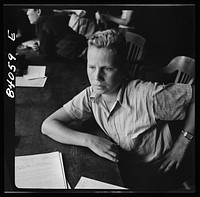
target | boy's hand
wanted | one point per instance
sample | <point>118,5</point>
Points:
<point>175,156</point>
<point>103,148</point>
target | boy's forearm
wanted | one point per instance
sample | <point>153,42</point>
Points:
<point>190,121</point>
<point>63,134</point>
<point>188,127</point>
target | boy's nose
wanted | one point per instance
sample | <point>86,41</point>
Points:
<point>98,75</point>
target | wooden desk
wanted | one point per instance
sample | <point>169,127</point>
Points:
<point>33,105</point>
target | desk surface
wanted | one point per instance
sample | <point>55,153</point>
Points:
<point>33,105</point>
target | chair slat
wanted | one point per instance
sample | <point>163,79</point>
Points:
<point>135,44</point>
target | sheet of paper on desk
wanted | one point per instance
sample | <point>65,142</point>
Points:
<point>22,82</point>
<point>34,72</point>
<point>87,183</point>
<point>40,171</point>
<point>35,77</point>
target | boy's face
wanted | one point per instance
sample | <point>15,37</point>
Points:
<point>103,74</point>
<point>33,15</point>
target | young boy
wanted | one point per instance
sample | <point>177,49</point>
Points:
<point>130,112</point>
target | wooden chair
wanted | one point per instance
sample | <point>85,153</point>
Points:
<point>181,69</point>
<point>135,45</point>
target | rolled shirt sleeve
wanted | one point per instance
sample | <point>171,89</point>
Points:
<point>170,101</point>
<point>80,107</point>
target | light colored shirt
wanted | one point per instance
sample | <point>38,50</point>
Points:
<point>132,121</point>
<point>81,24</point>
<point>74,19</point>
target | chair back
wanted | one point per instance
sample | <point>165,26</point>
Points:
<point>135,48</point>
<point>181,69</point>
<point>185,67</point>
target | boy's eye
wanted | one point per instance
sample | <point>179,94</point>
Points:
<point>108,69</point>
<point>91,67</point>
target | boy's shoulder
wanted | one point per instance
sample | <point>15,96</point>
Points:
<point>137,84</point>
<point>88,92</point>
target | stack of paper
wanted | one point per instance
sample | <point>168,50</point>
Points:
<point>41,171</point>
<point>35,77</point>
<point>87,183</point>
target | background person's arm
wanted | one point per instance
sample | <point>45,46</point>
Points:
<point>119,20</point>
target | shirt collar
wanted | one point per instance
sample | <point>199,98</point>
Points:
<point>95,97</point>
<point>120,94</point>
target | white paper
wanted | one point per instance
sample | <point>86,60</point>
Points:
<point>44,171</point>
<point>34,72</point>
<point>30,43</point>
<point>35,77</point>
<point>23,82</point>
<point>87,183</point>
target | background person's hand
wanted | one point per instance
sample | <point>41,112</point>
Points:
<point>103,148</point>
<point>97,16</point>
<point>35,46</point>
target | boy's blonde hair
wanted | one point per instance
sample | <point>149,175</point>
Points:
<point>110,39</point>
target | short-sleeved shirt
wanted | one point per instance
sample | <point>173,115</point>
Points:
<point>132,122</point>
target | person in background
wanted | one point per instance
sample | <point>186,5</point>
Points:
<point>16,21</point>
<point>55,37</point>
<point>103,24</point>
<point>25,31</point>
<point>133,113</point>
<point>125,22</point>
<point>81,21</point>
